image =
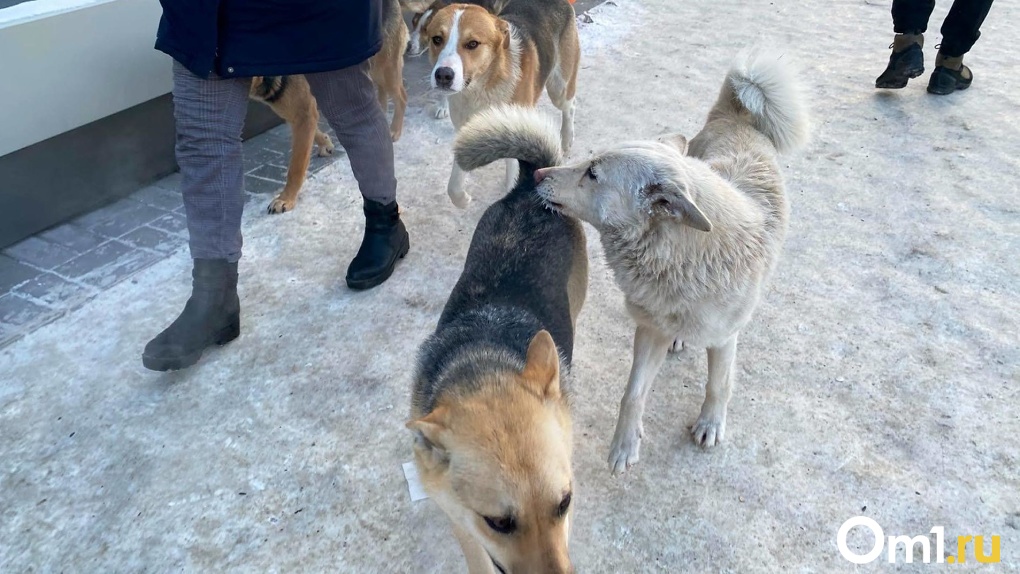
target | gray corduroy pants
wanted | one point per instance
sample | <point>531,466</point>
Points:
<point>209,116</point>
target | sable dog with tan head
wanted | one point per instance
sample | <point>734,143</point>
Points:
<point>505,52</point>
<point>692,235</point>
<point>490,417</point>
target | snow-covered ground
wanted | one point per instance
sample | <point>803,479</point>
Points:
<point>880,376</point>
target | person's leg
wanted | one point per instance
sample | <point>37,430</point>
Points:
<point>209,116</point>
<point>910,20</point>
<point>962,27</point>
<point>348,100</point>
<point>911,16</point>
<point>959,32</point>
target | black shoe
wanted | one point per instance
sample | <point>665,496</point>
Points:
<point>946,80</point>
<point>903,65</point>
<point>212,316</point>
<point>384,243</point>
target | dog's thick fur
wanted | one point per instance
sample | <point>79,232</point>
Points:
<point>490,417</point>
<point>504,52</point>
<point>387,66</point>
<point>693,234</point>
<point>291,99</point>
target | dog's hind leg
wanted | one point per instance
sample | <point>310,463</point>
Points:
<point>708,431</point>
<point>325,144</point>
<point>650,347</point>
<point>511,174</point>
<point>562,83</point>
<point>455,188</point>
<point>303,130</point>
<point>478,560</point>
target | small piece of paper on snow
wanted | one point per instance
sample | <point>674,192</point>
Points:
<point>413,482</point>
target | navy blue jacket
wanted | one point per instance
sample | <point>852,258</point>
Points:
<point>242,38</point>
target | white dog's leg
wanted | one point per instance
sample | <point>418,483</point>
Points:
<point>455,189</point>
<point>650,347</point>
<point>511,173</point>
<point>708,431</point>
<point>567,127</point>
<point>478,561</point>
<point>443,107</point>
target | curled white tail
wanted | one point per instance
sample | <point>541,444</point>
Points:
<point>508,132</point>
<point>766,85</point>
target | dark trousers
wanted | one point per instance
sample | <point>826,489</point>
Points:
<point>959,31</point>
<point>209,115</point>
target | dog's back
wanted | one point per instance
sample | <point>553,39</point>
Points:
<point>526,269</point>
<point>759,113</point>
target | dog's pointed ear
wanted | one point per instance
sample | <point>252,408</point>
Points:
<point>542,367</point>
<point>672,200</point>
<point>504,28</point>
<point>676,140</point>
<point>428,437</point>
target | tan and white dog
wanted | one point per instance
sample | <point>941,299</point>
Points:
<point>483,58</point>
<point>693,234</point>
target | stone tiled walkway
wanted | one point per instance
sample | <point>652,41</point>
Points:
<point>47,275</point>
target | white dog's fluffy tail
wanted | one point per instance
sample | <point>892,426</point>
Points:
<point>765,84</point>
<point>508,132</point>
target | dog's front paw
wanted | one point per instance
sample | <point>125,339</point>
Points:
<point>280,205</point>
<point>709,429</point>
<point>442,110</point>
<point>625,449</point>
<point>460,198</point>
<point>326,150</point>
<point>677,346</point>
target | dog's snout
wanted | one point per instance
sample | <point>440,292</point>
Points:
<point>444,77</point>
<point>539,175</point>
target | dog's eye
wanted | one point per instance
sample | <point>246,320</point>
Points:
<point>471,45</point>
<point>591,173</point>
<point>437,40</point>
<point>502,524</point>
<point>564,505</point>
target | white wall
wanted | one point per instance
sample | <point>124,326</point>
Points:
<point>65,63</point>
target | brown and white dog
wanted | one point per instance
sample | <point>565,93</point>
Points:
<point>504,56</point>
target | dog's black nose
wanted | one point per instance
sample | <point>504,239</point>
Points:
<point>444,77</point>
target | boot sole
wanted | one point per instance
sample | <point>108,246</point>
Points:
<point>224,336</point>
<point>899,82</point>
<point>379,279</point>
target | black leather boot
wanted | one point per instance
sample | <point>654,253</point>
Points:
<point>212,316</point>
<point>384,243</point>
<point>905,63</point>
<point>949,76</point>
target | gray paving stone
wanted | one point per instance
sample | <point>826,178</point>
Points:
<point>17,312</point>
<point>40,253</point>
<point>55,291</point>
<point>256,155</point>
<point>159,197</point>
<point>174,223</point>
<point>74,237</point>
<point>13,273</point>
<point>171,182</point>
<point>151,238</point>
<point>118,218</point>
<point>107,264</point>
<point>271,172</point>
<point>261,186</point>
